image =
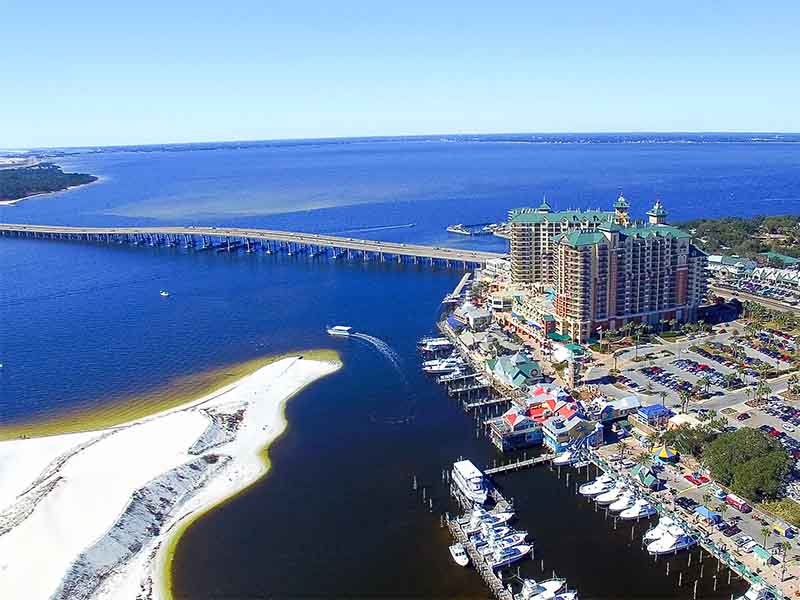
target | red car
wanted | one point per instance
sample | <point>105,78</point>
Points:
<point>696,478</point>
<point>743,417</point>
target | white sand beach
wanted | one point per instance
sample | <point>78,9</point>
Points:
<point>91,515</point>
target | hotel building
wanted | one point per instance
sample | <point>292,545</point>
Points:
<point>605,269</point>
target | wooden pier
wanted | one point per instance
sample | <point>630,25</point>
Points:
<point>235,239</point>
<point>484,403</point>
<point>520,464</point>
<point>486,572</point>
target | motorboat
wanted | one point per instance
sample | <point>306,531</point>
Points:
<point>757,592</point>
<point>514,539</point>
<point>503,558</point>
<point>436,345</point>
<point>442,366</point>
<point>569,595</point>
<point>566,458</point>
<point>626,500</point>
<point>489,534</point>
<point>641,509</point>
<point>459,555</point>
<point>340,331</point>
<point>163,293</point>
<point>476,521</point>
<point>599,486</point>
<point>671,542</point>
<point>611,495</point>
<point>538,590</point>
<point>470,481</point>
<point>657,532</point>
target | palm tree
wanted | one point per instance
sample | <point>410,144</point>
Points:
<point>765,531</point>
<point>723,508</point>
<point>643,459</point>
<point>706,498</point>
<point>705,383</point>
<point>729,379</point>
<point>663,395</point>
<point>684,396</point>
<point>785,546</point>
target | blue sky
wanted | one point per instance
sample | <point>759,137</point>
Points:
<point>93,73</point>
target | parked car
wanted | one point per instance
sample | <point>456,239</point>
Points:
<point>743,416</point>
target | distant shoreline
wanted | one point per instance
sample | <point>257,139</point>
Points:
<point>34,194</point>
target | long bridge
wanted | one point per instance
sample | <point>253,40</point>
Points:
<point>234,239</point>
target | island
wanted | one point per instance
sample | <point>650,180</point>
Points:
<point>18,183</point>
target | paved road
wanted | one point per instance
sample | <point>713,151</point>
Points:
<point>739,295</point>
<point>330,241</point>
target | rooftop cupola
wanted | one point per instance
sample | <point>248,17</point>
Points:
<point>544,207</point>
<point>621,207</point>
<point>657,215</point>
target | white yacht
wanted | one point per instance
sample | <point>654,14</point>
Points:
<point>598,486</point>
<point>611,495</point>
<point>477,521</point>
<point>641,509</point>
<point>470,481</point>
<point>459,555</point>
<point>340,331</point>
<point>657,532</point>
<point>671,543</point>
<point>163,293</point>
<point>568,457</point>
<point>538,590</point>
<point>442,366</point>
<point>626,500</point>
<point>503,558</point>
<point>487,535</point>
<point>436,345</point>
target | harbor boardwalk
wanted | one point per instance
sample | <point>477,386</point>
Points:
<point>486,572</point>
<point>251,240</point>
<point>520,464</point>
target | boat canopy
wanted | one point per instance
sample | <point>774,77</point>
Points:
<point>467,469</point>
<point>708,514</point>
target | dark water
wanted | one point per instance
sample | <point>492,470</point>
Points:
<point>336,515</point>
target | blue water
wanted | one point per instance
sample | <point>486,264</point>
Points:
<point>83,325</point>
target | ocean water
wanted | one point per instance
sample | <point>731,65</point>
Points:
<point>83,325</point>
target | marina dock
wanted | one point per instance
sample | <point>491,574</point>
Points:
<point>488,575</point>
<point>520,464</point>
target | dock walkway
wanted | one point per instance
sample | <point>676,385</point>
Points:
<point>520,464</point>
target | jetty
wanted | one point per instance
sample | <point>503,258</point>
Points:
<point>234,239</point>
<point>488,575</point>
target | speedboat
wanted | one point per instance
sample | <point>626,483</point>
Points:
<point>340,331</point>
<point>503,558</point>
<point>657,532</point>
<point>611,495</point>
<point>598,486</point>
<point>459,555</point>
<point>163,293</point>
<point>671,543</point>
<point>641,509</point>
<point>538,590</point>
<point>514,539</point>
<point>625,501</point>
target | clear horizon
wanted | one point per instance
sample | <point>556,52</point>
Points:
<point>95,74</point>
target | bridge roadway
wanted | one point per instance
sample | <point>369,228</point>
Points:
<point>235,234</point>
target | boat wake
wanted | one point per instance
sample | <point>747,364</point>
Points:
<point>378,228</point>
<point>382,347</point>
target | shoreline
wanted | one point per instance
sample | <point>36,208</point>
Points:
<point>16,201</point>
<point>121,503</point>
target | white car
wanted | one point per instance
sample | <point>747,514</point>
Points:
<point>789,427</point>
<point>748,547</point>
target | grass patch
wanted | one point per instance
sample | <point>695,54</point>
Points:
<point>786,509</point>
<point>179,390</point>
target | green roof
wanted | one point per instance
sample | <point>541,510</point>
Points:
<point>531,216</point>
<point>787,260</point>
<point>646,231</point>
<point>548,318</point>
<point>621,202</point>
<point>657,210</point>
<point>581,238</point>
<point>558,337</point>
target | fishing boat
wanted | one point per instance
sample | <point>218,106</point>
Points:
<point>514,539</point>
<point>436,345</point>
<point>598,486</point>
<point>163,293</point>
<point>538,590</point>
<point>657,532</point>
<point>459,555</point>
<point>611,495</point>
<point>490,534</point>
<point>470,481</point>
<point>626,500</point>
<point>641,509</point>
<point>503,558</point>
<point>476,521</point>
<point>671,543</point>
<point>340,331</point>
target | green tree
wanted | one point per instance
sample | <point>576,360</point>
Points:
<point>765,531</point>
